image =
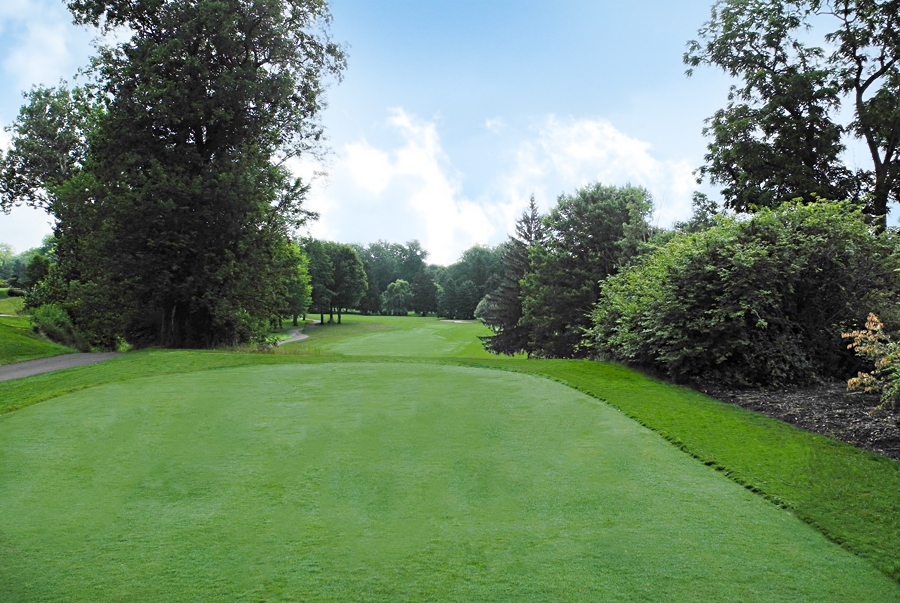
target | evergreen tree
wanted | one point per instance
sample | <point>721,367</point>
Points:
<point>588,236</point>
<point>502,308</point>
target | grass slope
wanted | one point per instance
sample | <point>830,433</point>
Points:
<point>355,482</point>
<point>17,341</point>
<point>850,495</point>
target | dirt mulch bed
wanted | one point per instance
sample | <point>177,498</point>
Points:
<point>828,409</point>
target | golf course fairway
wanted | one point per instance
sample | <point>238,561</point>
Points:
<point>383,481</point>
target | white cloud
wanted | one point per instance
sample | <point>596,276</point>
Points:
<point>370,168</point>
<point>42,55</point>
<point>39,44</point>
<point>410,189</point>
<point>495,125</point>
<point>565,154</point>
<point>406,192</point>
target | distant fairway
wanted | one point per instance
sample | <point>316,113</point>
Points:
<point>404,336</point>
<point>383,482</point>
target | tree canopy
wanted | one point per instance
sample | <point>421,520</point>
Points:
<point>166,173</point>
<point>779,136</point>
<point>587,236</point>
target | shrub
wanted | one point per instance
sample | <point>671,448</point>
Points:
<point>751,302</point>
<point>873,344</point>
<point>54,322</point>
<point>14,292</point>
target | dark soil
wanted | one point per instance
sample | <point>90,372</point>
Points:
<point>828,409</point>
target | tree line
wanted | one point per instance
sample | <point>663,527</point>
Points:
<point>394,279</point>
<point>757,292</point>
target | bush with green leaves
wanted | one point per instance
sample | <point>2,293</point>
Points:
<point>54,322</point>
<point>752,301</point>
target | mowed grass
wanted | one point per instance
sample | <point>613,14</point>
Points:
<point>17,341</point>
<point>381,481</point>
<point>10,305</point>
<point>849,495</point>
<point>394,336</point>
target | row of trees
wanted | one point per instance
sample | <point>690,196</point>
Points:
<point>393,278</point>
<point>736,299</point>
<point>756,298</point>
<point>27,268</point>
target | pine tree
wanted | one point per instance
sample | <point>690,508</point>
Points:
<point>501,309</point>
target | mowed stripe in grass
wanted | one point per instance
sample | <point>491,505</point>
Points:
<point>383,482</point>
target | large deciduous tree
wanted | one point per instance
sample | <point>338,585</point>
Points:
<point>424,293</point>
<point>397,298</point>
<point>348,278</point>
<point>171,216</point>
<point>779,136</point>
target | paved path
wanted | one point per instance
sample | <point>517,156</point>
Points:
<point>296,335</point>
<point>46,365</point>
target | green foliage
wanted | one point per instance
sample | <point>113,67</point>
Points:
<point>37,270</point>
<point>298,288</point>
<point>348,278</point>
<point>463,284</point>
<point>49,147</point>
<point>458,300</point>
<point>397,298</point>
<point>54,322</point>
<point>321,275</point>
<point>13,266</point>
<point>386,263</point>
<point>588,236</point>
<point>501,309</point>
<point>424,293</point>
<point>171,199</point>
<point>751,302</point>
<point>779,137</point>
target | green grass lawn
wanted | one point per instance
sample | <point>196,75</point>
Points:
<point>274,483</point>
<point>381,461</point>
<point>394,336</point>
<point>17,341</point>
<point>11,305</point>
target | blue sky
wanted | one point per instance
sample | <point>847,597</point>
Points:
<point>453,112</point>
